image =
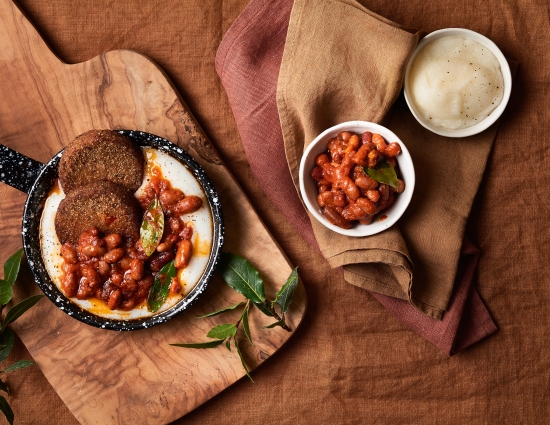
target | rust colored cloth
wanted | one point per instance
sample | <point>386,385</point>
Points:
<point>248,62</point>
<point>351,362</point>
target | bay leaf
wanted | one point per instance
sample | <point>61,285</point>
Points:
<point>209,344</point>
<point>383,173</point>
<point>223,331</point>
<point>152,227</point>
<point>17,310</point>
<point>240,275</point>
<point>284,296</point>
<point>161,286</point>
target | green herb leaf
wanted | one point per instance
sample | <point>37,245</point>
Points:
<point>7,339</point>
<point>284,296</point>
<point>263,308</point>
<point>11,270</point>
<point>228,344</point>
<point>161,286</point>
<point>223,310</point>
<point>152,227</point>
<point>209,344</point>
<point>6,410</point>
<point>17,310</point>
<point>20,364</point>
<point>383,173</point>
<point>242,277</point>
<point>226,330</point>
<point>246,327</point>
<point>280,323</point>
<point>241,357</point>
<point>4,387</point>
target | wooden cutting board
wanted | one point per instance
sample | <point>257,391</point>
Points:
<point>109,377</point>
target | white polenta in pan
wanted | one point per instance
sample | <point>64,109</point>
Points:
<point>201,220</point>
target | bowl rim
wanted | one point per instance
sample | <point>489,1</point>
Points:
<point>506,74</point>
<point>396,210</point>
<point>31,241</point>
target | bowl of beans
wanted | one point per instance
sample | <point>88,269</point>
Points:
<point>122,230</point>
<point>357,178</point>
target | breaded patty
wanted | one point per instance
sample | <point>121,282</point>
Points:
<point>101,155</point>
<point>107,206</point>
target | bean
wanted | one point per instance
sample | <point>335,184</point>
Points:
<point>92,276</point>
<point>187,232</point>
<point>84,290</point>
<point>317,173</point>
<point>343,136</point>
<point>373,195</point>
<point>353,143</point>
<point>170,196</point>
<point>175,224</point>
<point>116,278</point>
<point>69,254</point>
<point>373,158</point>
<point>113,240</point>
<point>366,183</point>
<point>183,254</point>
<point>175,286</point>
<point>128,304</point>
<point>113,255</point>
<point>321,159</point>
<point>379,142</point>
<point>400,186</point>
<point>366,205</point>
<point>103,268</point>
<point>188,204</point>
<point>366,137</point>
<point>349,187</point>
<point>114,299</point>
<point>92,250</point>
<point>69,282</point>
<point>392,150</point>
<point>136,269</point>
<point>159,259</point>
<point>335,217</point>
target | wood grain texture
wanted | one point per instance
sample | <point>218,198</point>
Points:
<point>107,377</point>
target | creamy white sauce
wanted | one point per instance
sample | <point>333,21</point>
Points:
<point>455,82</point>
<point>180,178</point>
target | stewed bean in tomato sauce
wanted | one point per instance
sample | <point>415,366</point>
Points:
<point>346,192</point>
<point>117,270</point>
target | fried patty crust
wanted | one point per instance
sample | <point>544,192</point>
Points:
<point>105,205</point>
<point>101,155</point>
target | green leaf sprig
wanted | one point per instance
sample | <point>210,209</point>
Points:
<point>245,279</point>
<point>383,173</point>
<point>7,337</point>
<point>152,227</point>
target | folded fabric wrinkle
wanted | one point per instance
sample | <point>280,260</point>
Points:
<point>284,90</point>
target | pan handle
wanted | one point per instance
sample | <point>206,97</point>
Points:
<point>17,170</point>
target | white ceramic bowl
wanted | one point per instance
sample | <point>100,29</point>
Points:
<point>505,68</point>
<point>309,190</point>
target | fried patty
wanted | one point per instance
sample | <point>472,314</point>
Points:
<point>101,155</point>
<point>107,206</point>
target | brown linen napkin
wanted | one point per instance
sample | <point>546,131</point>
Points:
<point>248,61</point>
<point>343,63</point>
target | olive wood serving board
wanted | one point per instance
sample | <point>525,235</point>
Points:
<point>103,376</point>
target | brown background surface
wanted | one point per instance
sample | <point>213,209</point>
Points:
<point>351,361</point>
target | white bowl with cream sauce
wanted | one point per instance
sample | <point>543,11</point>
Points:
<point>180,178</point>
<point>457,82</point>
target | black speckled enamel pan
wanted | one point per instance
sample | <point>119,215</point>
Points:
<point>36,179</point>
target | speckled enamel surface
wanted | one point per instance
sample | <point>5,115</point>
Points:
<point>17,170</point>
<point>31,241</point>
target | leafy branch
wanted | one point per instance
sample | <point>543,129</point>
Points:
<point>7,336</point>
<point>241,275</point>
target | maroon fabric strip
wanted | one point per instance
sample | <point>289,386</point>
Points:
<point>248,62</point>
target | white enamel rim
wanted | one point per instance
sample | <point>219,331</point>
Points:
<point>309,190</point>
<point>505,68</point>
